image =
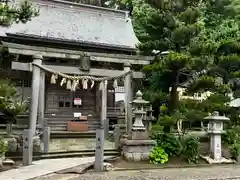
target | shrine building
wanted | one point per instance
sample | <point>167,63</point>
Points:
<point>74,39</point>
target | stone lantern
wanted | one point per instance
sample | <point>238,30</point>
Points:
<point>138,128</point>
<point>138,146</point>
<point>215,129</point>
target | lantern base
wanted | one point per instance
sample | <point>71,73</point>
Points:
<point>137,150</point>
<point>139,134</point>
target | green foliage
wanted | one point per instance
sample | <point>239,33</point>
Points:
<point>204,83</point>
<point>158,156</point>
<point>216,102</point>
<point>191,149</point>
<point>10,105</point>
<point>235,150</point>
<point>175,145</point>
<point>198,35</point>
<point>232,135</point>
<point>232,139</point>
<point>118,4</point>
<point>165,26</point>
<point>7,90</point>
<point>156,98</point>
<point>3,146</point>
<point>169,142</point>
<point>22,13</point>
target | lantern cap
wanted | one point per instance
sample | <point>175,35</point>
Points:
<point>139,100</point>
<point>216,117</point>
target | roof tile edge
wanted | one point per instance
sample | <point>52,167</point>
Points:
<point>120,13</point>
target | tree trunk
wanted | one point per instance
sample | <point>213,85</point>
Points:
<point>174,94</point>
<point>173,98</point>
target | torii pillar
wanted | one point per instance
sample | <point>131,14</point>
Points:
<point>128,99</point>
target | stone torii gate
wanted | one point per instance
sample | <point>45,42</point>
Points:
<point>37,111</point>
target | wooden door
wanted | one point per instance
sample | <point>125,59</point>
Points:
<point>52,101</point>
<point>62,100</point>
<point>65,101</point>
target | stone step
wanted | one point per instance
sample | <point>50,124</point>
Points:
<point>65,125</point>
<point>66,134</point>
<point>55,155</point>
<point>69,118</point>
<point>65,122</point>
<point>55,129</point>
<point>62,126</point>
<point>65,114</point>
<point>59,122</point>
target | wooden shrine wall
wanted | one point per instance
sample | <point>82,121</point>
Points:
<point>61,100</point>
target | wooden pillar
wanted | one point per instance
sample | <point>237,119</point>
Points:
<point>104,103</point>
<point>42,100</point>
<point>35,93</point>
<point>128,99</point>
<point>27,147</point>
<point>98,102</point>
<point>99,152</point>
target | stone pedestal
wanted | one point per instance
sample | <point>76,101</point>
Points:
<point>216,152</point>
<point>37,144</point>
<point>137,147</point>
<point>140,134</point>
<point>137,150</point>
<point>12,144</point>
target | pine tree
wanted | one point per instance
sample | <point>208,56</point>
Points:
<point>219,42</point>
<point>23,12</point>
<point>202,38</point>
<point>167,26</point>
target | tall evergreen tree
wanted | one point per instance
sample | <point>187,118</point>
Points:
<point>202,38</point>
<point>167,26</point>
<point>219,42</point>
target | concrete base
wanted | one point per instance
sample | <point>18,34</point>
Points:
<point>221,161</point>
<point>37,146</point>
<point>137,150</point>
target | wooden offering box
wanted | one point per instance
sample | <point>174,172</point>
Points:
<point>78,125</point>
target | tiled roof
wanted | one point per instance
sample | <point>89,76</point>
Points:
<point>59,20</point>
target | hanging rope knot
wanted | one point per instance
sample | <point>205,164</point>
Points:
<point>101,86</point>
<point>74,85</point>
<point>53,79</point>
<point>69,84</point>
<point>63,81</point>
<point>85,83</point>
<point>92,81</point>
<point>115,83</point>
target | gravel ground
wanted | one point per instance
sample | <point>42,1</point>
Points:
<point>210,173</point>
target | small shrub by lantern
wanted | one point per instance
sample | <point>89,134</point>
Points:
<point>158,156</point>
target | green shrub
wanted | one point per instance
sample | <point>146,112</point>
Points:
<point>234,150</point>
<point>158,156</point>
<point>169,142</point>
<point>191,149</point>
<point>3,146</point>
<point>232,139</point>
<point>231,136</point>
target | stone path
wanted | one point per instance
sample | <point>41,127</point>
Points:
<point>43,167</point>
<point>208,173</point>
